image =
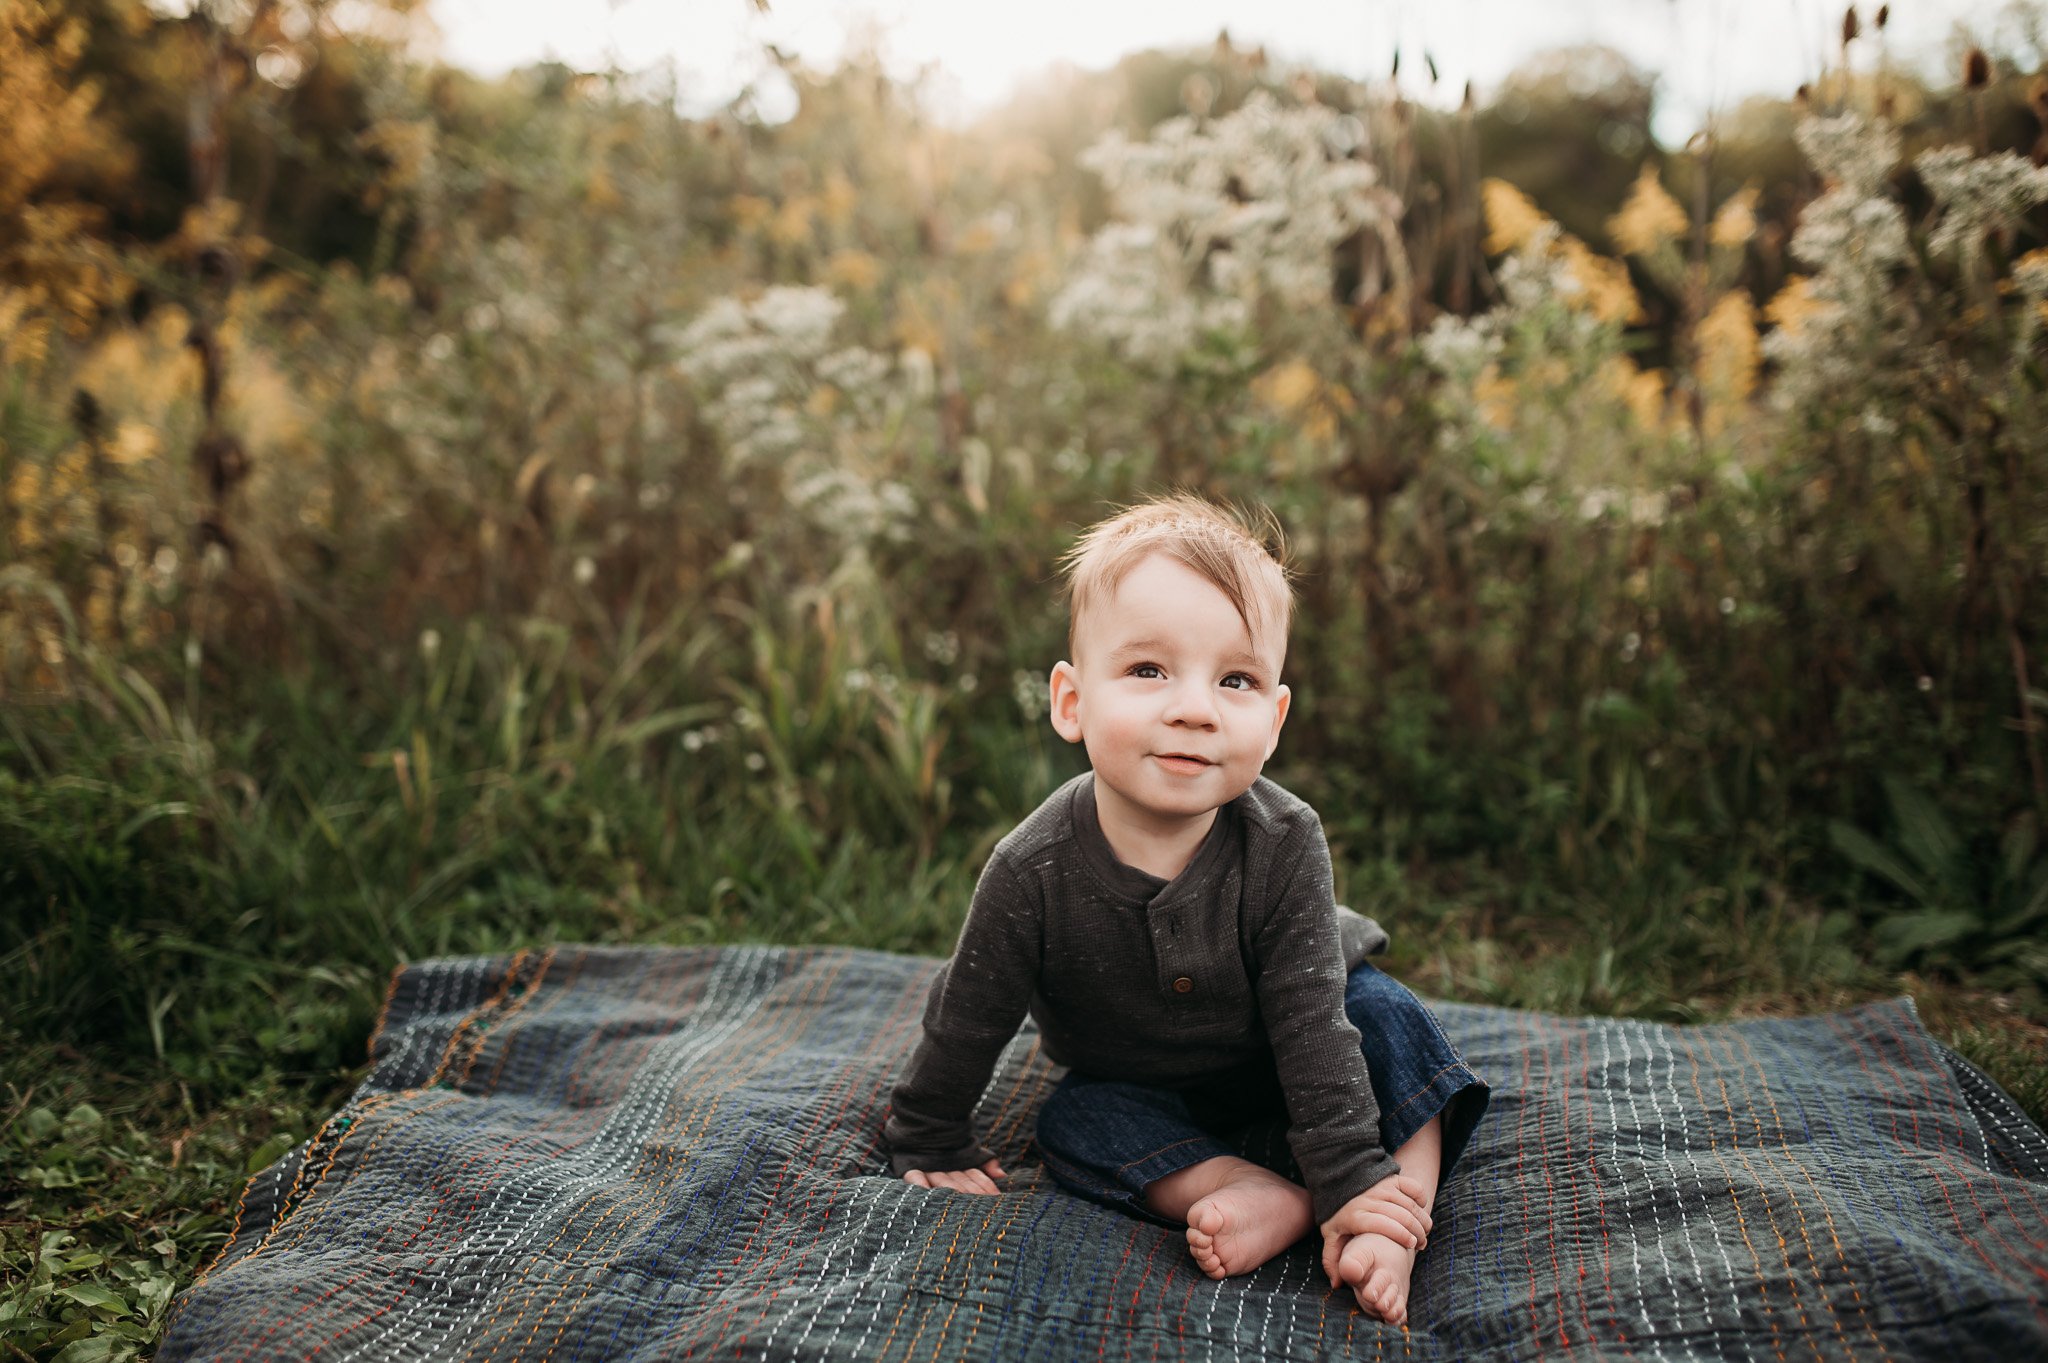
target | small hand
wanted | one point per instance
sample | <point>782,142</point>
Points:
<point>1396,1207</point>
<point>980,1180</point>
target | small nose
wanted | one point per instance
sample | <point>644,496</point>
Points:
<point>1191,703</point>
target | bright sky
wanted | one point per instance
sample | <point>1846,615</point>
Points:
<point>1709,53</point>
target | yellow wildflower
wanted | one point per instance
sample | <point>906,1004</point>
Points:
<point>1288,386</point>
<point>1649,219</point>
<point>1493,396</point>
<point>839,199</point>
<point>135,442</point>
<point>1642,391</point>
<point>1793,306</point>
<point>599,192</point>
<point>792,225</point>
<point>1735,224</point>
<point>1511,216</point>
<point>1725,345</point>
<point>1609,293</point>
<point>1294,388</point>
<point>856,270</point>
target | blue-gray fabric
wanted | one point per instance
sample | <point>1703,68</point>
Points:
<point>669,1153</point>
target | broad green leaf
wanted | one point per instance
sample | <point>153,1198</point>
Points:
<point>97,1349</point>
<point>1872,856</point>
<point>1907,934</point>
<point>1924,833</point>
<point>93,1295</point>
<point>2032,908</point>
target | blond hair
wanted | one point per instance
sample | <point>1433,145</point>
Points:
<point>1242,553</point>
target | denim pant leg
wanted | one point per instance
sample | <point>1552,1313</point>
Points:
<point>1416,1073</point>
<point>1108,1140</point>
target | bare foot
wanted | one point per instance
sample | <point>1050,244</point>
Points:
<point>1378,1270</point>
<point>1249,1218</point>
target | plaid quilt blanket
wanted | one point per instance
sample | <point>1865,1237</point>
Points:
<point>666,1153</point>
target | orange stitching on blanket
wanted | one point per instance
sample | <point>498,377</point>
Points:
<point>1784,1246</point>
<point>448,1051</point>
<point>384,1013</point>
<point>1735,1200</point>
<point>526,996</point>
<point>283,1202</point>
<point>1841,1258</point>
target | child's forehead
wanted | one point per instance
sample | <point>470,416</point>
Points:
<point>1132,617</point>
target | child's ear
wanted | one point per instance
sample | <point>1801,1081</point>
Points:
<point>1281,698</point>
<point>1066,701</point>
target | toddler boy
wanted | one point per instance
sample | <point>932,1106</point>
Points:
<point>1167,918</point>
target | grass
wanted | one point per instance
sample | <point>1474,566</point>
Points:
<point>118,1185</point>
<point>203,912</point>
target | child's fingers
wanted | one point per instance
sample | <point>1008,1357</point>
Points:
<point>918,1177</point>
<point>1352,1221</point>
<point>1374,1214</point>
<point>993,1169</point>
<point>1333,1247</point>
<point>1410,1188</point>
<point>1401,1233</point>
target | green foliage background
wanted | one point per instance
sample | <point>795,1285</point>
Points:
<point>381,582</point>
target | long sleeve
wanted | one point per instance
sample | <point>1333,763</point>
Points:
<point>976,1003</point>
<point>1332,1115</point>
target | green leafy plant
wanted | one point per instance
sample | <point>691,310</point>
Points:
<point>1976,912</point>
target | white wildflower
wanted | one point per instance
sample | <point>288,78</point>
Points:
<point>1854,236</point>
<point>1978,195</point>
<point>1029,691</point>
<point>1215,218</point>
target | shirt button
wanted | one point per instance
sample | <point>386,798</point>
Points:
<point>1183,985</point>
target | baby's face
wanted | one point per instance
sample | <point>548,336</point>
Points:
<point>1178,711</point>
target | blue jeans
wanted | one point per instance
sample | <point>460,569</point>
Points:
<point>1108,1140</point>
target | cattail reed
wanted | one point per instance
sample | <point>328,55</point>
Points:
<point>1976,70</point>
<point>1976,87</point>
